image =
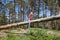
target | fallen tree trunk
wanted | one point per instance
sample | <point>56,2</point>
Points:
<point>32,21</point>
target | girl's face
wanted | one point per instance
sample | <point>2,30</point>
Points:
<point>31,12</point>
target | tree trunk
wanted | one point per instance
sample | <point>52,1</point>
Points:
<point>38,8</point>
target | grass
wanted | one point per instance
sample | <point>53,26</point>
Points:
<point>17,37</point>
<point>35,34</point>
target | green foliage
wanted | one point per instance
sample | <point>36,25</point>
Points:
<point>34,34</point>
<point>17,37</point>
<point>41,34</point>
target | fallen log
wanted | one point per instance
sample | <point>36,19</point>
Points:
<point>32,21</point>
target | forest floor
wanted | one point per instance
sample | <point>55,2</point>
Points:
<point>30,34</point>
